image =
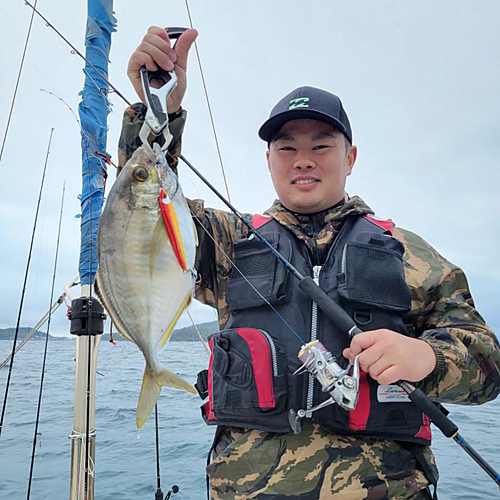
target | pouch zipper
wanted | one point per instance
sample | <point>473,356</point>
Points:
<point>343,262</point>
<point>314,334</point>
<point>272,348</point>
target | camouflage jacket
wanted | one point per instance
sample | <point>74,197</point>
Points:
<point>442,314</point>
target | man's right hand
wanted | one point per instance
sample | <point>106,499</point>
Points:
<point>156,51</point>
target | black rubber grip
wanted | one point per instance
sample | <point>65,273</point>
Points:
<point>439,419</point>
<point>335,313</point>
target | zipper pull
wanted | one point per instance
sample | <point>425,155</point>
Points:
<point>316,273</point>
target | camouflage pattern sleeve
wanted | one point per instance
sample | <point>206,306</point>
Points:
<point>443,314</point>
<point>133,119</point>
<point>217,232</point>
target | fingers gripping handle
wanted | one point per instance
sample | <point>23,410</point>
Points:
<point>346,324</point>
<point>343,321</point>
<point>156,99</point>
<point>161,74</point>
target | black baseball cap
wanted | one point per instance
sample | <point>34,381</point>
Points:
<point>307,102</point>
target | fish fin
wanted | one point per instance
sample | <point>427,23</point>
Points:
<point>158,241</point>
<point>183,307</point>
<point>150,391</point>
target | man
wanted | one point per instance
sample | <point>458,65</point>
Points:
<point>415,308</point>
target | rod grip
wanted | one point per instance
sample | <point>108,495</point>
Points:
<point>439,419</point>
<point>345,323</point>
<point>335,313</point>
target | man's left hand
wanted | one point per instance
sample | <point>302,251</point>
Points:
<point>389,356</point>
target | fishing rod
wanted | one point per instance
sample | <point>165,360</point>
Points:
<point>25,282</point>
<point>14,96</point>
<point>77,52</point>
<point>334,312</point>
<point>46,346</point>
<point>37,327</point>
<point>345,323</point>
<point>174,489</point>
<point>344,388</point>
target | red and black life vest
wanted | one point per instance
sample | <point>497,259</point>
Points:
<point>250,376</point>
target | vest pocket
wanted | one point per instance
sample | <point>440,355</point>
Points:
<point>265,279</point>
<point>372,273</point>
<point>246,374</point>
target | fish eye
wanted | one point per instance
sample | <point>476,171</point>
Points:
<point>140,173</point>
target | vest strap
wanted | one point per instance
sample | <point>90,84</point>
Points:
<point>388,225</point>
<point>417,450</point>
<point>260,220</point>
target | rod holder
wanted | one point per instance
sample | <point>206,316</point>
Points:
<point>86,311</point>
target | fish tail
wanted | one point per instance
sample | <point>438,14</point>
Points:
<point>151,388</point>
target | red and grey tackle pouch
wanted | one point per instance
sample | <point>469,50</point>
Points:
<point>245,381</point>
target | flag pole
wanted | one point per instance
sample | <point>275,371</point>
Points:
<point>87,316</point>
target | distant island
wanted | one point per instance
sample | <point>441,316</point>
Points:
<point>9,333</point>
<point>187,334</point>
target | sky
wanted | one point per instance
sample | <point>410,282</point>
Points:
<point>419,81</point>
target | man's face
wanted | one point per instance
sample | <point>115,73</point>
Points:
<point>309,162</point>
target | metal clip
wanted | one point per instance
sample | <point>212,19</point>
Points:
<point>342,387</point>
<point>156,120</point>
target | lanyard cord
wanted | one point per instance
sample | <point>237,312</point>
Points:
<point>208,105</point>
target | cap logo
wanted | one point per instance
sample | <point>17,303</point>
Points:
<point>300,102</point>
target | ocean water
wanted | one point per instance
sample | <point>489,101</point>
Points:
<point>125,458</point>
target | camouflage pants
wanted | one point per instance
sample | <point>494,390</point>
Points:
<point>313,465</point>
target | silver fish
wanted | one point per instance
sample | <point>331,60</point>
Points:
<point>145,278</point>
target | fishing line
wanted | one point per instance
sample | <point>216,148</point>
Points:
<point>248,281</point>
<point>24,284</point>
<point>306,283</point>
<point>208,104</point>
<point>37,304</point>
<point>103,92</point>
<point>99,154</point>
<point>77,52</point>
<point>345,323</point>
<point>89,335</point>
<point>46,345</point>
<point>87,403</point>
<point>199,333</point>
<point>17,82</point>
<point>248,224</point>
